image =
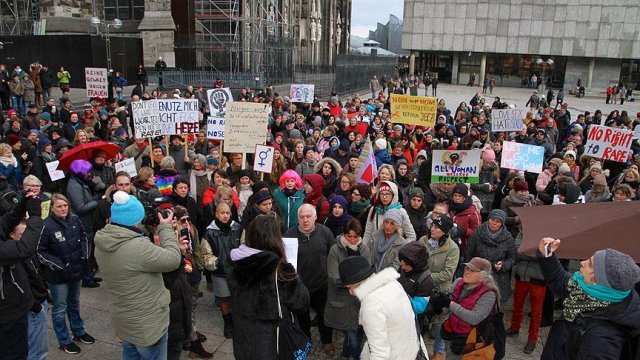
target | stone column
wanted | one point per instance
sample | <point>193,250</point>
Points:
<point>412,63</point>
<point>454,68</point>
<point>483,69</point>
<point>157,29</point>
<point>592,65</point>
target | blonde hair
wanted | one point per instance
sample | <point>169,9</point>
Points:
<point>5,147</point>
<point>31,180</point>
<point>57,196</point>
<point>145,173</point>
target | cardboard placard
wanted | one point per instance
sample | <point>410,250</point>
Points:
<point>302,93</point>
<point>456,166</point>
<point>608,143</point>
<point>263,159</point>
<point>291,251</point>
<point>96,82</point>
<point>54,173</point>
<point>507,120</point>
<point>245,126</point>
<point>215,128</point>
<point>127,165</point>
<point>414,110</point>
<point>522,157</point>
<point>178,116</point>
<point>146,119</point>
<point>218,99</point>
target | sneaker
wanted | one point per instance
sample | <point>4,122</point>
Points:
<point>86,338</point>
<point>528,349</point>
<point>71,348</point>
<point>511,332</point>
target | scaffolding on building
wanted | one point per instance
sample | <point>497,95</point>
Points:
<point>244,36</point>
<point>19,17</point>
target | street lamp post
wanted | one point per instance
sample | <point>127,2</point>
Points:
<point>544,64</point>
<point>116,23</point>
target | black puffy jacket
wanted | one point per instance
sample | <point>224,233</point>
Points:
<point>62,248</point>
<point>15,293</point>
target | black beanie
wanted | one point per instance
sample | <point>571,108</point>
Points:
<point>461,189</point>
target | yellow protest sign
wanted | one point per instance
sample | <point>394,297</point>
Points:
<point>415,110</point>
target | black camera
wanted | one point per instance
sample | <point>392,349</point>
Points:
<point>152,208</point>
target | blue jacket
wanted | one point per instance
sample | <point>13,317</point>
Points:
<point>13,174</point>
<point>62,249</point>
<point>289,206</point>
<point>383,157</point>
<point>605,330</point>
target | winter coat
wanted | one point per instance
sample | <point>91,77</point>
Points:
<point>602,340</point>
<point>305,168</point>
<point>390,257</point>
<point>16,297</point>
<point>180,305</point>
<point>387,318</point>
<point>528,269</point>
<point>316,198</point>
<point>330,184</point>
<point>62,249</point>
<point>13,173</point>
<point>467,220</point>
<point>507,205</point>
<point>375,220</point>
<point>39,170</point>
<point>341,309</point>
<point>82,202</point>
<point>178,155</point>
<point>132,268</point>
<point>482,190</point>
<point>544,178</point>
<point>443,262</point>
<point>312,255</point>
<point>221,244</point>
<point>289,206</point>
<point>255,304</point>
<point>419,220</point>
<point>29,90</point>
<point>382,157</point>
<point>502,248</point>
<point>417,255</point>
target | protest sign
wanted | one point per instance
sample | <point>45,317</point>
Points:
<point>608,143</point>
<point>263,159</point>
<point>414,110</point>
<point>302,93</point>
<point>291,251</point>
<point>146,120</point>
<point>215,128</point>
<point>506,120</point>
<point>54,173</point>
<point>456,166</point>
<point>218,99</point>
<point>636,132</point>
<point>522,157</point>
<point>178,116</point>
<point>128,166</point>
<point>96,81</point>
<point>245,126</point>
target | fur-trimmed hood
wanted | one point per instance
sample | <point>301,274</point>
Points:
<point>337,169</point>
<point>376,281</point>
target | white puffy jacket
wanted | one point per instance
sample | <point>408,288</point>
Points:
<point>387,318</point>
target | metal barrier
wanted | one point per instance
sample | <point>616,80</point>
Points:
<point>181,78</point>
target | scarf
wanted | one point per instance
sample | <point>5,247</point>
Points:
<point>347,245</point>
<point>337,223</point>
<point>381,209</point>
<point>458,208</point>
<point>48,157</point>
<point>588,297</point>
<point>515,198</point>
<point>157,159</point>
<point>356,208</point>
<point>193,182</point>
<point>289,192</point>
<point>382,247</point>
<point>9,161</point>
<point>439,193</point>
<point>224,227</point>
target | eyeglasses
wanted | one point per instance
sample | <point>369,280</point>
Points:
<point>386,194</point>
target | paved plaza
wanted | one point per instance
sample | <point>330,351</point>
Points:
<point>94,302</point>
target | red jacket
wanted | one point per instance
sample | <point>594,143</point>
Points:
<point>360,128</point>
<point>468,220</point>
<point>316,198</point>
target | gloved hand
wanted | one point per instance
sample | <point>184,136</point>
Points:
<point>97,183</point>
<point>34,206</point>
<point>439,303</point>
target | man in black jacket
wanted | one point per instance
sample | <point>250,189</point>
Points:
<point>16,298</point>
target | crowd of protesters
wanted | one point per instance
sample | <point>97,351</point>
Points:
<point>194,211</point>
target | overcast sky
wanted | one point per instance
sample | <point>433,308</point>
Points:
<point>365,14</point>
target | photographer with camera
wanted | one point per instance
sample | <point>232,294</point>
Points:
<point>103,211</point>
<point>16,298</point>
<point>132,268</point>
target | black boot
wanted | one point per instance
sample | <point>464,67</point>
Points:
<point>228,326</point>
<point>197,350</point>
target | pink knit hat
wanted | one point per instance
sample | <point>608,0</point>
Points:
<point>488,154</point>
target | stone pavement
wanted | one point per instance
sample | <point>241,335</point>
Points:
<point>94,309</point>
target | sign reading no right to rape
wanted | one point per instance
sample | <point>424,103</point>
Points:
<point>608,143</point>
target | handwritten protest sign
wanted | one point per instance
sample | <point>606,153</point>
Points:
<point>456,166</point>
<point>96,81</point>
<point>146,119</point>
<point>414,110</point>
<point>636,132</point>
<point>245,126</point>
<point>215,128</point>
<point>302,93</point>
<point>263,160</point>
<point>522,157</point>
<point>218,99</point>
<point>608,143</point>
<point>54,174</point>
<point>178,116</point>
<point>128,166</point>
<point>506,119</point>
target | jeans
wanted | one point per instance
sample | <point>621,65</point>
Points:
<point>438,343</point>
<point>25,106</point>
<point>351,346</point>
<point>13,339</point>
<point>16,104</point>
<point>157,351</point>
<point>38,334</point>
<point>66,301</point>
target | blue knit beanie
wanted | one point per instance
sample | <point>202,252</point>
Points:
<point>126,209</point>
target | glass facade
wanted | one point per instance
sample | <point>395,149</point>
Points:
<point>124,9</point>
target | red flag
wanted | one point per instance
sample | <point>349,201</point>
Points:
<point>366,169</point>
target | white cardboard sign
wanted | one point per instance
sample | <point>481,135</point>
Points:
<point>263,159</point>
<point>54,173</point>
<point>218,99</point>
<point>96,81</point>
<point>128,165</point>
<point>215,128</point>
